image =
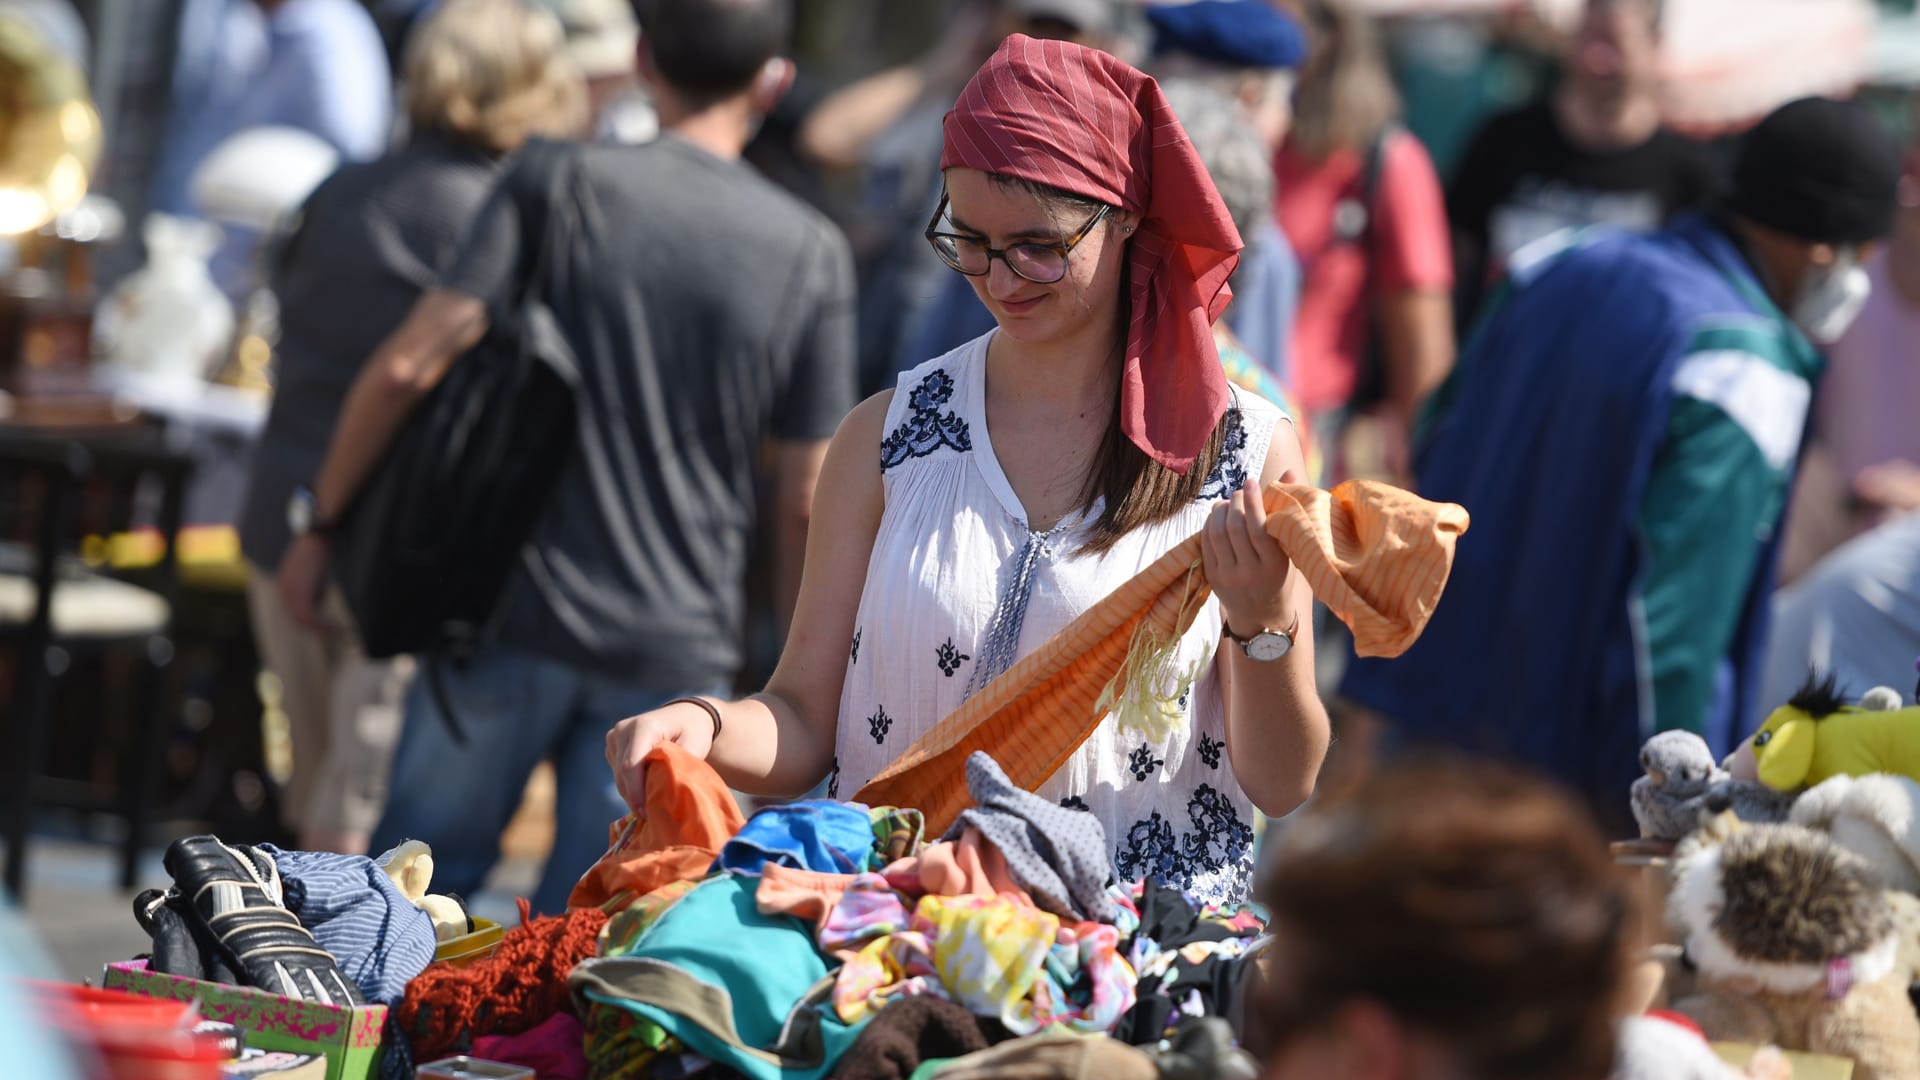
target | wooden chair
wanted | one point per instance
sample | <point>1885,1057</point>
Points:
<point>60,495</point>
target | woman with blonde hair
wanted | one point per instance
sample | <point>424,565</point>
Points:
<point>1360,202</point>
<point>481,77</point>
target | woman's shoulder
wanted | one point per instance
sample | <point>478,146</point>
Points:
<point>928,413</point>
<point>1256,410</point>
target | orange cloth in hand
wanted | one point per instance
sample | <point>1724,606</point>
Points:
<point>689,815</point>
<point>1376,555</point>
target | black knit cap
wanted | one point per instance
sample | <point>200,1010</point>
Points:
<point>1818,170</point>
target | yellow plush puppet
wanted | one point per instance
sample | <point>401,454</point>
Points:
<point>1816,735</point>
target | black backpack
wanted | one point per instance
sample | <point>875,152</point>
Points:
<point>425,550</point>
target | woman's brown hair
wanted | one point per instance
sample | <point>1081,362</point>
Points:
<point>1133,489</point>
<point>1346,96</point>
<point>1476,905</point>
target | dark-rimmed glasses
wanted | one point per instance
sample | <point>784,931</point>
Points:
<point>1042,264</point>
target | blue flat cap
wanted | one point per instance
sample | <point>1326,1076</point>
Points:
<point>1238,33</point>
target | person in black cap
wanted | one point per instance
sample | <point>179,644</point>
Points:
<point>1624,426</point>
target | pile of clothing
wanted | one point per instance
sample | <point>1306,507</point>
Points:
<point>818,938</point>
<point>831,938</point>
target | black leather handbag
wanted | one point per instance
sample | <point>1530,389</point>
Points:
<point>424,552</point>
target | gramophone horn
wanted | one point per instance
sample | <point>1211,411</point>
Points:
<point>49,132</point>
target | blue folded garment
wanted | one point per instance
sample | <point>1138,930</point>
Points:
<point>815,834</point>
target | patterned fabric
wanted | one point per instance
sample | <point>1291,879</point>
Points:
<point>625,929</point>
<point>1189,957</point>
<point>1058,855</point>
<point>623,1046</point>
<point>1080,120</point>
<point>897,834</point>
<point>1246,373</point>
<point>947,545</point>
<point>994,955</point>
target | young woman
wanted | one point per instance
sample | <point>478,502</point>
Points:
<point>1007,486</point>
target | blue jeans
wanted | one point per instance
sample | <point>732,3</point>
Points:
<point>515,710</point>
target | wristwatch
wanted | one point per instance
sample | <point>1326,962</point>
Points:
<point>303,514</point>
<point>1267,645</point>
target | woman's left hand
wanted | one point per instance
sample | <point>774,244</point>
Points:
<point>1246,567</point>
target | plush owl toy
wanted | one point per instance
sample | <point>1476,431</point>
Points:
<point>1682,783</point>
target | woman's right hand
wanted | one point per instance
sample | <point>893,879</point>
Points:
<point>684,724</point>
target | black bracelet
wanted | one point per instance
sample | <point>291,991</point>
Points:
<point>712,710</point>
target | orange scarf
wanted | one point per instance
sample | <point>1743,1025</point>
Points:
<point>1377,556</point>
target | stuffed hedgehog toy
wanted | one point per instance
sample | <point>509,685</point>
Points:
<point>1682,783</point>
<point>1795,944</point>
<point>1817,735</point>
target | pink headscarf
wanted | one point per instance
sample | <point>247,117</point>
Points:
<point>1077,119</point>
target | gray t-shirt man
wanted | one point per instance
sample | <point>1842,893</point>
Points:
<point>709,311</point>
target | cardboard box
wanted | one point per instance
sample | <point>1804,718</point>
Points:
<point>349,1038</point>
<point>1805,1066</point>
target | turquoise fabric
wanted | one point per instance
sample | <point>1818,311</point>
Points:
<point>762,966</point>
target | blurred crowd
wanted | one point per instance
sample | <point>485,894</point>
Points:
<point>1670,374</point>
<point>1366,278</point>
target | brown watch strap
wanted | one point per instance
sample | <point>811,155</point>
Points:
<point>1290,632</point>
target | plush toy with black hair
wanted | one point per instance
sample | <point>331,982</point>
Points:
<point>1817,735</point>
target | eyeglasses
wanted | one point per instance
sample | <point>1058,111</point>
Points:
<point>1042,264</point>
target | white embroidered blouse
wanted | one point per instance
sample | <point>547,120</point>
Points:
<point>958,588</point>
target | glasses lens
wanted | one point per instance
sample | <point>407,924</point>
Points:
<point>966,256</point>
<point>1038,264</point>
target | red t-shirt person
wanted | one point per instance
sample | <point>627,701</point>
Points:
<point>1322,209</point>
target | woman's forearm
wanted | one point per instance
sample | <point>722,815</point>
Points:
<point>767,747</point>
<point>1277,728</point>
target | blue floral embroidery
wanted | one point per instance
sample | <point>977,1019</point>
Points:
<point>1142,762</point>
<point>878,725</point>
<point>1150,852</point>
<point>1210,748</point>
<point>1229,472</point>
<point>950,658</point>
<point>1075,802</point>
<point>926,429</point>
<point>856,646</point>
<point>1217,828</point>
<point>833,779</point>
